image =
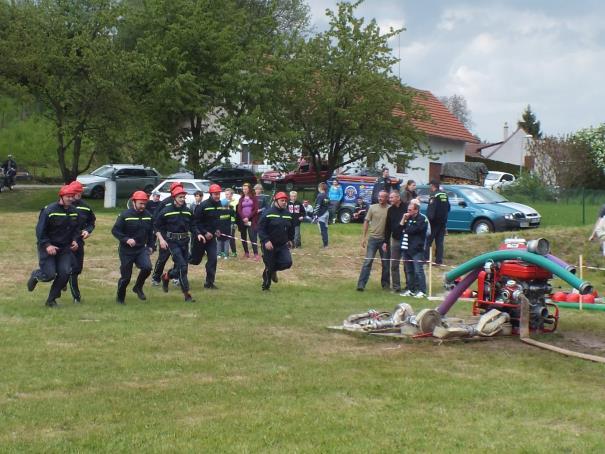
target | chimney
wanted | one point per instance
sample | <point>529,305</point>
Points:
<point>505,130</point>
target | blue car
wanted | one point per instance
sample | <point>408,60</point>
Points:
<point>481,210</point>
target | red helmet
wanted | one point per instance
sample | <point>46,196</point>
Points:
<point>66,189</point>
<point>280,195</point>
<point>140,195</point>
<point>174,184</point>
<point>176,190</point>
<point>77,186</point>
<point>214,188</point>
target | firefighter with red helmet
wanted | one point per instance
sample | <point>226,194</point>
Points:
<point>174,225</point>
<point>134,230</point>
<point>276,234</point>
<point>163,254</point>
<point>207,217</point>
<point>86,224</point>
<point>57,233</point>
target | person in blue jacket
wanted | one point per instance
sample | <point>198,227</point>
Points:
<point>335,195</point>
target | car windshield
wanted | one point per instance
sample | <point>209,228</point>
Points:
<point>103,171</point>
<point>482,195</point>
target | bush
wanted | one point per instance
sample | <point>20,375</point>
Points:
<point>530,187</point>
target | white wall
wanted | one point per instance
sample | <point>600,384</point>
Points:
<point>512,151</point>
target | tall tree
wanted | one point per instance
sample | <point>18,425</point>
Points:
<point>458,106</point>
<point>333,98</point>
<point>529,123</point>
<point>63,53</point>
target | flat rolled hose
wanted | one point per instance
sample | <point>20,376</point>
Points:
<point>583,287</point>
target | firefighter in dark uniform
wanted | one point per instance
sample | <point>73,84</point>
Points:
<point>57,233</point>
<point>276,234</point>
<point>437,214</point>
<point>208,217</point>
<point>86,224</point>
<point>153,203</point>
<point>163,254</point>
<point>173,226</point>
<point>134,231</point>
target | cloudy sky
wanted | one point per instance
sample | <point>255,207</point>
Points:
<point>501,56</point>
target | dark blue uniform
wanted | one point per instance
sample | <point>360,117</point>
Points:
<point>57,226</point>
<point>437,214</point>
<point>136,225</point>
<point>176,225</point>
<point>209,217</point>
<point>276,226</point>
<point>163,254</point>
<point>86,221</point>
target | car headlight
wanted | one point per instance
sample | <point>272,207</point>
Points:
<point>509,216</point>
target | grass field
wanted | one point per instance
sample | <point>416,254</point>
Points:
<point>247,371</point>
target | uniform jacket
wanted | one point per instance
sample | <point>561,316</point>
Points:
<point>414,234</point>
<point>276,226</point>
<point>57,226</point>
<point>381,184</point>
<point>136,225</point>
<point>86,217</point>
<point>210,216</point>
<point>439,207</point>
<point>152,206</point>
<point>174,219</point>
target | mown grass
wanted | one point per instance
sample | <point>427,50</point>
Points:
<point>246,371</point>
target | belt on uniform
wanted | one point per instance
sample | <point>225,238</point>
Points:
<point>177,236</point>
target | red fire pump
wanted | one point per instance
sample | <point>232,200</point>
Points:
<point>502,284</point>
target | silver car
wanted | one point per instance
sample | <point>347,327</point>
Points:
<point>128,178</point>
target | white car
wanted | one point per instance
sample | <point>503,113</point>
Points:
<point>497,180</point>
<point>190,186</point>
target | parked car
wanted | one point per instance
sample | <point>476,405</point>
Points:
<point>230,177</point>
<point>23,175</point>
<point>190,186</point>
<point>182,174</point>
<point>481,210</point>
<point>304,177</point>
<point>497,180</point>
<point>128,178</point>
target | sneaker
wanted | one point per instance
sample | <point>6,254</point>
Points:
<point>234,254</point>
<point>77,301</point>
<point>256,257</point>
<point>406,293</point>
<point>165,282</point>
<point>420,295</point>
<point>155,283</point>
<point>31,283</point>
<point>246,255</point>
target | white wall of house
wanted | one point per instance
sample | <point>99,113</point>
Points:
<point>512,150</point>
<point>418,168</point>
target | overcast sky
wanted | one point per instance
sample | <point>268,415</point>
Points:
<point>501,56</point>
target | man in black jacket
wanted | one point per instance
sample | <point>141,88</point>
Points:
<point>383,183</point>
<point>414,226</point>
<point>437,213</point>
<point>207,218</point>
<point>86,224</point>
<point>163,254</point>
<point>276,234</point>
<point>393,231</point>
<point>134,230</point>
<point>57,233</point>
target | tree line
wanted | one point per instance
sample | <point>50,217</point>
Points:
<point>145,80</point>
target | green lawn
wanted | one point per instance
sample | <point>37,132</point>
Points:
<point>246,371</point>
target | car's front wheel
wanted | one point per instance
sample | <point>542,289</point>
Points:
<point>481,226</point>
<point>345,215</point>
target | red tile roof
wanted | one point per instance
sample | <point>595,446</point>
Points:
<point>442,122</point>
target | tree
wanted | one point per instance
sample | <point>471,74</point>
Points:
<point>529,123</point>
<point>458,106</point>
<point>333,98</point>
<point>63,53</point>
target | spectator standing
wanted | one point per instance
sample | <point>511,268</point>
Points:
<point>154,203</point>
<point>360,210</point>
<point>383,183</point>
<point>262,199</point>
<point>308,211</point>
<point>414,225</point>
<point>247,218</point>
<point>296,210</point>
<point>374,224</point>
<point>335,195</point>
<point>198,196</point>
<point>224,226</point>
<point>392,236</point>
<point>598,230</point>
<point>409,193</point>
<point>9,167</point>
<point>437,213</point>
<point>321,213</point>
<point>233,211</point>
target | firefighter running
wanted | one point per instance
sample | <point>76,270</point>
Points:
<point>276,233</point>
<point>57,233</point>
<point>86,224</point>
<point>134,230</point>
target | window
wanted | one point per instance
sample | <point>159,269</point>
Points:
<point>189,187</point>
<point>165,187</point>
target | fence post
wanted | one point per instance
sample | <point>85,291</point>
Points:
<point>583,207</point>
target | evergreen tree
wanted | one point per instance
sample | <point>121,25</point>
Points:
<point>529,124</point>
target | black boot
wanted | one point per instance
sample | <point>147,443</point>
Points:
<point>274,276</point>
<point>32,282</point>
<point>165,282</point>
<point>266,280</point>
<point>121,295</point>
<point>74,287</point>
<point>188,297</point>
<point>51,303</point>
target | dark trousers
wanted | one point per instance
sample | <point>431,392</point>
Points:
<point>160,263</point>
<point>375,244</point>
<point>180,255</point>
<point>437,234</point>
<point>323,230</point>
<point>245,230</point>
<point>232,244</point>
<point>414,271</point>
<point>395,252</point>
<point>76,270</point>
<point>198,250</point>
<point>128,258</point>
<point>54,268</point>
<point>277,259</point>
